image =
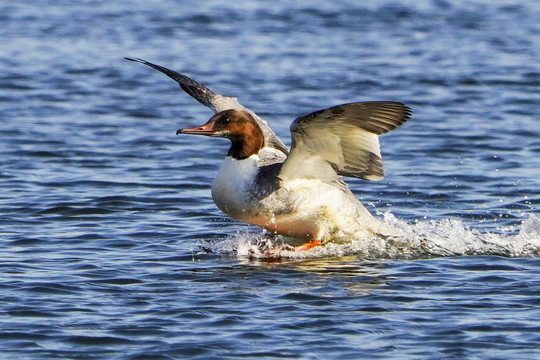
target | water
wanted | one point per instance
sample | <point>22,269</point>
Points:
<point>112,247</point>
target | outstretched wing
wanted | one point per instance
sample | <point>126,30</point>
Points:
<point>214,101</point>
<point>342,140</point>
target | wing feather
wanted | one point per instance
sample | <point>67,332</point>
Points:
<point>342,140</point>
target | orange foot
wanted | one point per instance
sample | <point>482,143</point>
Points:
<point>285,249</point>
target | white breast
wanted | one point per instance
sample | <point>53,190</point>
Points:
<point>230,189</point>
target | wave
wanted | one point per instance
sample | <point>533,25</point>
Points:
<point>421,239</point>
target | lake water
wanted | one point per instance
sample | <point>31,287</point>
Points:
<point>111,246</point>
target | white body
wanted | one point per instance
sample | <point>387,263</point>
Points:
<point>301,208</point>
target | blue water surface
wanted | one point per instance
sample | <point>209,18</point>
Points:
<point>110,243</point>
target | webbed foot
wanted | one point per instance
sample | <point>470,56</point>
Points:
<point>284,250</point>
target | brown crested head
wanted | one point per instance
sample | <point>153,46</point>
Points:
<point>236,125</point>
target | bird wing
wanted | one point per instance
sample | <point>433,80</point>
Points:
<point>216,102</point>
<point>342,140</point>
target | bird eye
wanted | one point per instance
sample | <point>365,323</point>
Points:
<point>226,120</point>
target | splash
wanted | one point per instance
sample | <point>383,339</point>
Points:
<point>451,237</point>
<point>422,239</point>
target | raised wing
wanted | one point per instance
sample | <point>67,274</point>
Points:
<point>216,102</point>
<point>342,140</point>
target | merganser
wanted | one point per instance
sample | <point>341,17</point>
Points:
<point>300,193</point>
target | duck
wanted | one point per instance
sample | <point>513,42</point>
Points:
<point>297,193</point>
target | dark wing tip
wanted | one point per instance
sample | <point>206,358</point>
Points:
<point>407,113</point>
<point>378,117</point>
<point>134,59</point>
<point>383,116</point>
<point>193,88</point>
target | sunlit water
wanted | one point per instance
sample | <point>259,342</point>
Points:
<point>112,247</point>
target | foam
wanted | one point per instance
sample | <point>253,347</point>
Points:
<point>421,239</point>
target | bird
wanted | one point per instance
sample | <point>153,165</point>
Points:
<point>298,193</point>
